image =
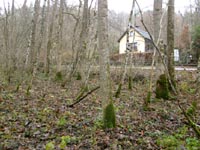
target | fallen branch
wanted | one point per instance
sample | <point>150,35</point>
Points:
<point>84,96</point>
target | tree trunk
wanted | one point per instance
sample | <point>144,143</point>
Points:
<point>6,41</point>
<point>74,58</point>
<point>12,39</point>
<point>82,64</point>
<point>170,40</point>
<point>59,40</point>
<point>31,50</point>
<point>42,33</point>
<point>128,55</point>
<point>157,12</point>
<point>105,83</point>
<point>50,34</point>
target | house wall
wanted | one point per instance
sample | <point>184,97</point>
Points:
<point>148,45</point>
<point>138,38</point>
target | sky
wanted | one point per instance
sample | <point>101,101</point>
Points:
<point>122,5</point>
<point>125,5</point>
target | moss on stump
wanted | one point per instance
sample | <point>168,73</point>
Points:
<point>78,76</point>
<point>109,119</point>
<point>59,76</point>
<point>162,90</point>
<point>118,91</point>
<point>130,83</point>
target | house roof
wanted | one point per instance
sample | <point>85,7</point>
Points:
<point>138,30</point>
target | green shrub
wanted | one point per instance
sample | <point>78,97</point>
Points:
<point>50,146</point>
<point>192,144</point>
<point>178,140</point>
<point>62,121</point>
<point>168,141</point>
<point>64,141</point>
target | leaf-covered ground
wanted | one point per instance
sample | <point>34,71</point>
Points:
<point>42,119</point>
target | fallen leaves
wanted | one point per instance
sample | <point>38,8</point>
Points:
<point>31,122</point>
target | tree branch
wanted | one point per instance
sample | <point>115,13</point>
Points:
<point>194,126</point>
<point>73,15</point>
<point>84,96</point>
<point>157,49</point>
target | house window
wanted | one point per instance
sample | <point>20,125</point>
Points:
<point>131,34</point>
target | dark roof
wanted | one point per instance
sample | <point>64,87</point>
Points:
<point>140,31</point>
<point>143,33</point>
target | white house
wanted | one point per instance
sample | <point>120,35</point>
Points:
<point>139,41</point>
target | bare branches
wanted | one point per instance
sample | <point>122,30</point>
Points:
<point>157,49</point>
<point>194,126</point>
<point>73,15</point>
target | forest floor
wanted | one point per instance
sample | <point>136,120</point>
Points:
<point>42,120</point>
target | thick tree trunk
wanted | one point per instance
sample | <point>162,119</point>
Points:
<point>50,35</point>
<point>105,84</point>
<point>157,13</point>
<point>42,33</point>
<point>31,50</point>
<point>170,40</point>
<point>59,39</point>
<point>82,48</point>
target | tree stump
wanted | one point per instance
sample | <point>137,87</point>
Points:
<point>162,90</point>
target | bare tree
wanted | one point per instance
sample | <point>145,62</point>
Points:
<point>128,51</point>
<point>157,12</point>
<point>51,19</point>
<point>59,39</point>
<point>12,42</point>
<point>42,32</point>
<point>6,42</point>
<point>105,83</point>
<point>31,50</point>
<point>83,43</point>
<point>170,40</point>
<point>74,41</point>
